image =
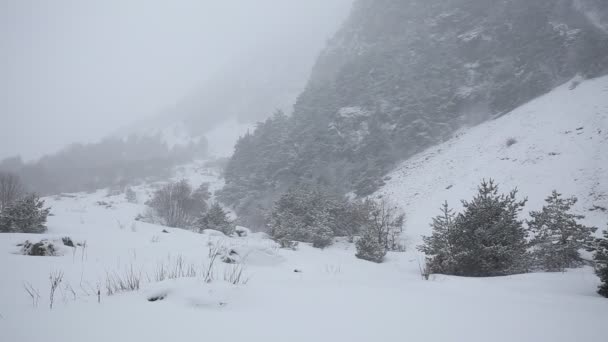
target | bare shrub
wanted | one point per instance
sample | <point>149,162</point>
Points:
<point>70,289</point>
<point>175,269</point>
<point>129,280</point>
<point>160,273</point>
<point>55,279</point>
<point>83,250</point>
<point>177,205</point>
<point>215,250</point>
<point>235,274</point>
<point>33,293</point>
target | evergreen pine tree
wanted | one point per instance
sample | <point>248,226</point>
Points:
<point>601,263</point>
<point>217,219</point>
<point>491,240</point>
<point>558,236</point>
<point>321,234</point>
<point>438,247</point>
<point>486,239</point>
<point>370,248</point>
<point>304,214</point>
<point>26,215</point>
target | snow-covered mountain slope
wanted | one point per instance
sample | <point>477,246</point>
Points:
<point>558,141</point>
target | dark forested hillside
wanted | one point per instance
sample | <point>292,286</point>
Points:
<point>400,76</point>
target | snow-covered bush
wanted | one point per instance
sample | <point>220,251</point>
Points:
<point>47,247</point>
<point>41,248</point>
<point>215,218</point>
<point>370,248</point>
<point>177,205</point>
<point>557,235</point>
<point>129,280</point>
<point>486,239</point>
<point>382,227</point>
<point>26,215</point>
<point>601,263</point>
<point>235,275</point>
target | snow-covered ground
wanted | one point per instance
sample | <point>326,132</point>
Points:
<point>325,295</point>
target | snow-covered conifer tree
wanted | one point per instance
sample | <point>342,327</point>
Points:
<point>601,263</point>
<point>26,215</point>
<point>216,218</point>
<point>557,235</point>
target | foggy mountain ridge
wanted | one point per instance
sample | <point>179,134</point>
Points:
<point>260,77</point>
<point>245,93</point>
<point>402,76</point>
<point>249,89</point>
<point>95,78</point>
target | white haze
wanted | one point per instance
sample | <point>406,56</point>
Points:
<point>76,71</point>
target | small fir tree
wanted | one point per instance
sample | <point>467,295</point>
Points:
<point>601,263</point>
<point>486,239</point>
<point>304,214</point>
<point>216,218</point>
<point>26,215</point>
<point>438,247</point>
<point>557,235</point>
<point>370,248</point>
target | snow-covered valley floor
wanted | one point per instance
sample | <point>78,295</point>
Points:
<point>332,297</point>
<point>326,295</point>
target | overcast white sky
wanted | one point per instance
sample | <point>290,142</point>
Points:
<point>77,70</point>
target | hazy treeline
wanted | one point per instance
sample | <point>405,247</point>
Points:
<point>112,162</point>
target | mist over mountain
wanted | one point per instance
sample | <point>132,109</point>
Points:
<point>400,76</point>
<point>77,71</point>
<point>254,59</point>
